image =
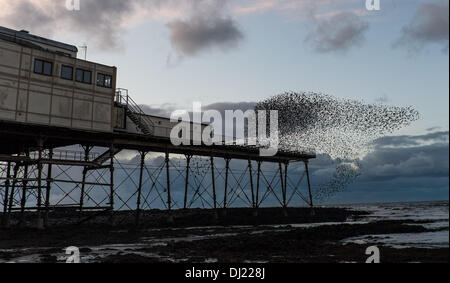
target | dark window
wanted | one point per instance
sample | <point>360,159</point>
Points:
<point>100,79</point>
<point>87,77</point>
<point>43,67</point>
<point>104,80</point>
<point>67,72</point>
<point>38,66</point>
<point>79,75</point>
<point>83,76</point>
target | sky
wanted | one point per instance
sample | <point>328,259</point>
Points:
<point>170,53</point>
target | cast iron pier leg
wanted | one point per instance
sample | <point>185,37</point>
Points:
<point>49,185</point>
<point>283,189</point>
<point>258,177</point>
<point>11,196</point>
<point>250,172</point>
<point>5,199</point>
<point>186,185</point>
<point>24,193</point>
<point>111,178</point>
<point>138,202</point>
<point>309,188</point>
<point>169,197</point>
<point>213,180</point>
<point>87,150</point>
<point>227,170</point>
<point>39,220</point>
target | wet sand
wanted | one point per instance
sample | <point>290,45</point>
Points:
<point>239,236</point>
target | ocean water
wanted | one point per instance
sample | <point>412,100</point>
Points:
<point>431,215</point>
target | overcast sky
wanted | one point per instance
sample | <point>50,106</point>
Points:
<point>170,53</point>
<point>179,51</point>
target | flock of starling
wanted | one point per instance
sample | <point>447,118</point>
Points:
<point>344,129</point>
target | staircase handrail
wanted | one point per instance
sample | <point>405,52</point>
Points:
<point>131,105</point>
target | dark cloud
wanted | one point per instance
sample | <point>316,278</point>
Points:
<point>201,25</point>
<point>164,110</point>
<point>430,25</point>
<point>204,32</point>
<point>399,169</point>
<point>411,141</point>
<point>99,20</point>
<point>412,162</point>
<point>432,129</point>
<point>337,34</point>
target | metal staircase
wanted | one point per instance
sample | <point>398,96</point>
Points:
<point>105,156</point>
<point>134,112</point>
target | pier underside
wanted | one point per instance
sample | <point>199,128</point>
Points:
<point>46,169</point>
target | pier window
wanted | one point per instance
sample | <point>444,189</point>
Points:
<point>67,72</point>
<point>43,67</point>
<point>104,80</point>
<point>83,76</point>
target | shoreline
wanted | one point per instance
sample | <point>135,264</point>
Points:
<point>237,237</point>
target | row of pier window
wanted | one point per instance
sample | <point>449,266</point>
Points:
<point>67,72</point>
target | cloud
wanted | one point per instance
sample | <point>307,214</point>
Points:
<point>401,168</point>
<point>414,162</point>
<point>422,156</point>
<point>430,25</point>
<point>195,25</point>
<point>441,137</point>
<point>166,110</point>
<point>256,6</point>
<point>338,34</point>
<point>100,20</point>
<point>204,32</point>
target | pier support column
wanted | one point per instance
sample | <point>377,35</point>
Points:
<point>169,197</point>
<point>309,188</point>
<point>87,150</point>
<point>283,188</point>
<point>186,185</point>
<point>48,189</point>
<point>286,165</point>
<point>11,196</point>
<point>258,179</point>
<point>5,199</point>
<point>24,193</point>
<point>250,173</point>
<point>252,187</point>
<point>39,220</point>
<point>213,180</point>
<point>111,188</point>
<point>138,201</point>
<point>227,170</point>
